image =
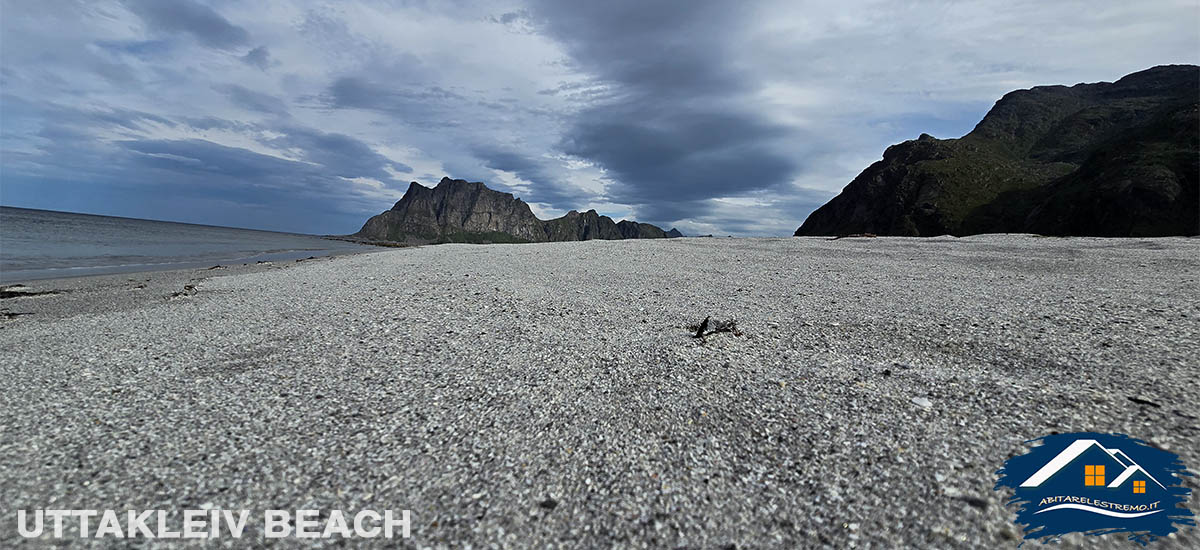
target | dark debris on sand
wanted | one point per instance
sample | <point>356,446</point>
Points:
<point>709,326</point>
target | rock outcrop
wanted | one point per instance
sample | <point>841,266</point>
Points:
<point>577,226</point>
<point>1105,159</point>
<point>463,211</point>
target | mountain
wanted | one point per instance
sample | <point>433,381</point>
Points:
<point>1117,159</point>
<point>463,211</point>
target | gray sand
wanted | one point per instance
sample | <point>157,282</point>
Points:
<point>475,384</point>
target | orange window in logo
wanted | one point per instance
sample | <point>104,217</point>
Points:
<point>1093,476</point>
<point>1139,486</point>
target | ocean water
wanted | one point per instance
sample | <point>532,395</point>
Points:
<point>40,244</point>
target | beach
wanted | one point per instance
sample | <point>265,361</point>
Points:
<point>554,395</point>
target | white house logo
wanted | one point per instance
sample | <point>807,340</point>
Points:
<point>1097,484</point>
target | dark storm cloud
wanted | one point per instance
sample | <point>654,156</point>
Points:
<point>678,155</point>
<point>252,187</point>
<point>244,178</point>
<point>542,173</point>
<point>510,161</point>
<point>201,157</point>
<point>216,123</point>
<point>69,131</point>
<point>341,155</point>
<point>258,57</point>
<point>14,109</point>
<point>138,48</point>
<point>677,131</point>
<point>509,17</point>
<point>70,152</point>
<point>419,106</point>
<point>324,158</point>
<point>206,25</point>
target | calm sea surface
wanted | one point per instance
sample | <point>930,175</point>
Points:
<point>40,244</point>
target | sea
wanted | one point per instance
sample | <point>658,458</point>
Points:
<point>42,244</point>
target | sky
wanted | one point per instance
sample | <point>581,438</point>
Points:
<point>721,117</point>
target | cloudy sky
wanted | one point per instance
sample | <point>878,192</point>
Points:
<point>711,116</point>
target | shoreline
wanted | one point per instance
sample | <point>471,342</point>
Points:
<point>60,297</point>
<point>50,274</point>
<point>44,244</point>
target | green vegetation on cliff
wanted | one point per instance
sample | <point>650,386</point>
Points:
<point>1106,159</point>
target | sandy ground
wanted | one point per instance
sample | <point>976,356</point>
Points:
<point>550,395</point>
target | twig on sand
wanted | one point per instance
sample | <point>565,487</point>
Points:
<point>863,235</point>
<point>188,290</point>
<point>1141,401</point>
<point>708,327</point>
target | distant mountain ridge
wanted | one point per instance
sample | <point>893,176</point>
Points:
<point>1106,159</point>
<point>463,211</point>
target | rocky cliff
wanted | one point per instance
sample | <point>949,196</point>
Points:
<point>1105,159</point>
<point>462,211</point>
<point>591,225</point>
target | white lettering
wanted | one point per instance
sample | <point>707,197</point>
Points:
<point>390,523</point>
<point>307,523</point>
<point>337,524</point>
<point>83,516</point>
<point>236,527</point>
<point>163,532</point>
<point>276,524</point>
<point>23,526</point>
<point>58,516</point>
<point>358,524</point>
<point>137,523</point>
<point>109,525</point>
<point>206,523</point>
<point>194,524</point>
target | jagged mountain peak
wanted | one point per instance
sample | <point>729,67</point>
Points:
<point>458,210</point>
